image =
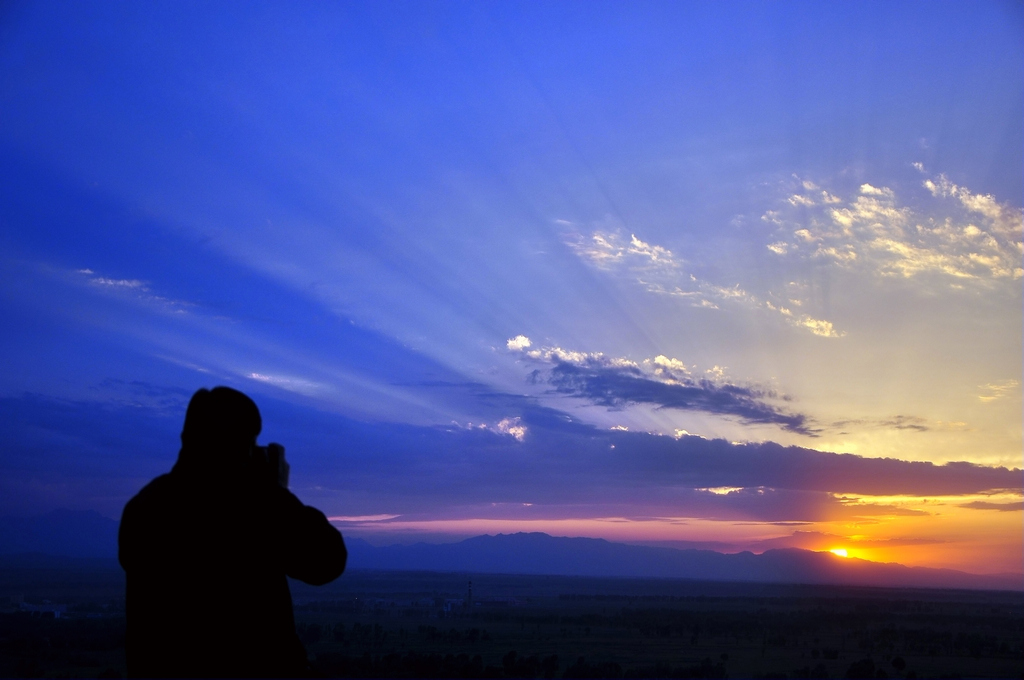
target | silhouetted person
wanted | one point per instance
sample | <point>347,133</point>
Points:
<point>206,549</point>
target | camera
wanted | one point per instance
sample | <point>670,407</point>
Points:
<point>269,460</point>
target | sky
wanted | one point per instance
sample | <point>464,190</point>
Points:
<point>732,275</point>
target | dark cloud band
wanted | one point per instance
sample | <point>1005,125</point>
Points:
<point>615,387</point>
<point>93,454</point>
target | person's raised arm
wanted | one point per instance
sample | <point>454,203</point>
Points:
<point>314,550</point>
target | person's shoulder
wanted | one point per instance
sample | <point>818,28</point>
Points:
<point>161,484</point>
<point>280,496</point>
<point>156,489</point>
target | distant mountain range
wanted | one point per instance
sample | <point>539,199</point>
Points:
<point>89,534</point>
<point>537,553</point>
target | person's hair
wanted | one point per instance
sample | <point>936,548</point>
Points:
<point>221,417</point>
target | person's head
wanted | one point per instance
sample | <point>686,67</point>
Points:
<point>221,426</point>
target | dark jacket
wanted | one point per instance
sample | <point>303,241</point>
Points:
<point>206,559</point>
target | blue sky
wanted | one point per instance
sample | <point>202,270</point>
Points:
<point>448,247</point>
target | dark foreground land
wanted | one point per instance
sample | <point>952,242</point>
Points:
<point>63,619</point>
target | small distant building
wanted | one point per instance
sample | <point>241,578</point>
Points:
<point>453,604</point>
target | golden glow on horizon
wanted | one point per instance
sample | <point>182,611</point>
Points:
<point>839,551</point>
<point>938,532</point>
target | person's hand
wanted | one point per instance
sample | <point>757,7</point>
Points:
<point>278,465</point>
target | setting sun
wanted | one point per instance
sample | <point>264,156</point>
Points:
<point>839,551</point>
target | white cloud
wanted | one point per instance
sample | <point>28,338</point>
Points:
<point>869,190</point>
<point>844,255</point>
<point>133,290</point>
<point>119,283</point>
<point>616,383</point>
<point>716,371</point>
<point>512,427</point>
<point>656,269</point>
<point>608,248</point>
<point>983,204</point>
<point>655,254</point>
<point>721,490</point>
<point>665,369</point>
<point>518,343</point>
<point>819,327</point>
<point>975,239</point>
<point>361,518</point>
<point>557,354</point>
<point>289,383</point>
<point>999,390</point>
<point>601,249</point>
<point>668,365</point>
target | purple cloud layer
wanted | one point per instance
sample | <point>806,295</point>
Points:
<point>89,455</point>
